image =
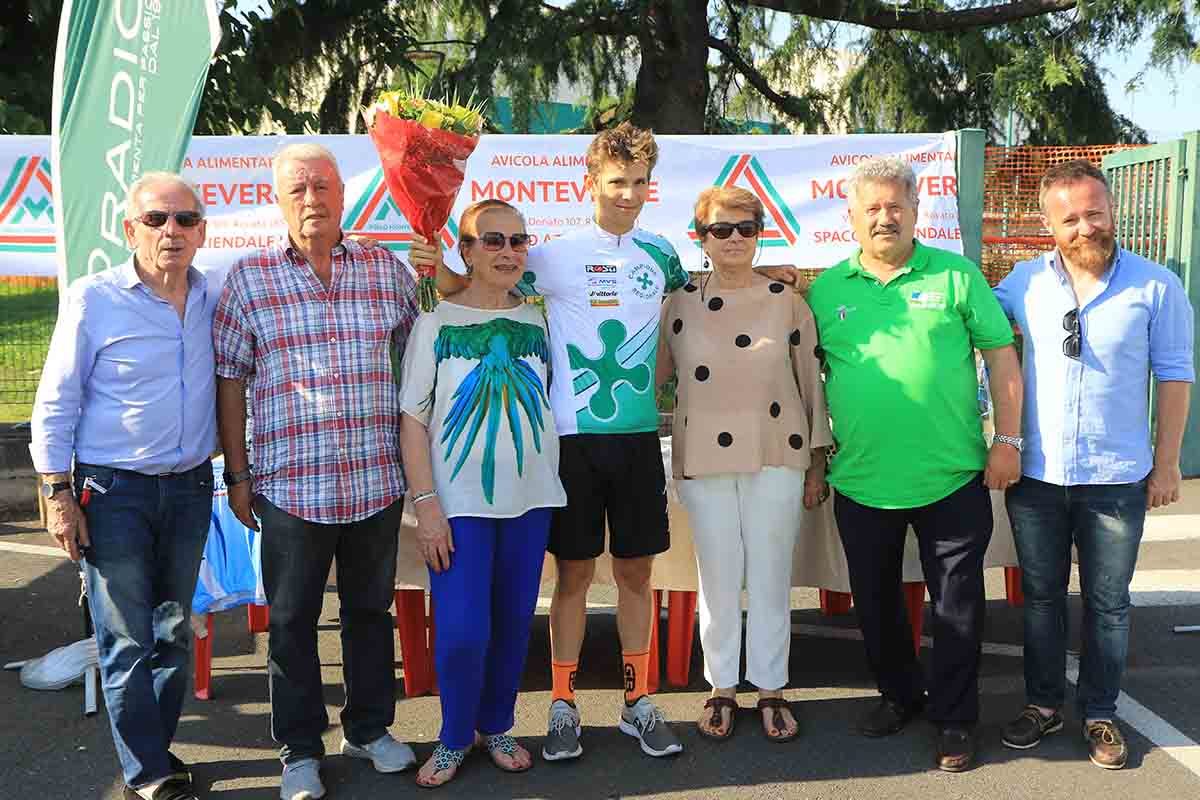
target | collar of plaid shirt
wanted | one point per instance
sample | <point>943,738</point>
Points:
<point>324,403</point>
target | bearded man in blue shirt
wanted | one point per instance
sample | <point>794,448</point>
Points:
<point>128,397</point>
<point>1098,321</point>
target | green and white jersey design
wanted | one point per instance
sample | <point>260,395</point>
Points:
<point>603,294</point>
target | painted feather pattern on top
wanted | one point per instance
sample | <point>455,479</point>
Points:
<point>501,387</point>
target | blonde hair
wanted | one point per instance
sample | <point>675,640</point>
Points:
<point>727,197</point>
<point>467,230</point>
<point>624,144</point>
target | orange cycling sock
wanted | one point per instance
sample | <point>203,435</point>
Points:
<point>563,680</point>
<point>637,667</point>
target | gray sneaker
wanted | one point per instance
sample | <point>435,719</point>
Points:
<point>644,721</point>
<point>562,735</point>
<point>385,753</point>
<point>302,780</point>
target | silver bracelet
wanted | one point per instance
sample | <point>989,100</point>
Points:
<point>1012,441</point>
<point>424,496</point>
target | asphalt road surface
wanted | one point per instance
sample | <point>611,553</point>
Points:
<point>50,751</point>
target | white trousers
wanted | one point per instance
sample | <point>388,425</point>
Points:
<point>744,526</point>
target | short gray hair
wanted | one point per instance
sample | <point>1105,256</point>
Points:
<point>883,169</point>
<point>303,151</point>
<point>149,179</point>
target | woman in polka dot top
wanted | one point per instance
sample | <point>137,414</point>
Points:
<point>748,451</point>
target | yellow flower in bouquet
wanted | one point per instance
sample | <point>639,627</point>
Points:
<point>423,145</point>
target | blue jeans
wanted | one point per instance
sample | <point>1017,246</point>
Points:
<point>147,537</point>
<point>1104,522</point>
<point>484,606</point>
<point>296,557</point>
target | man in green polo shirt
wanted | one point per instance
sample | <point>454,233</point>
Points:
<point>899,323</point>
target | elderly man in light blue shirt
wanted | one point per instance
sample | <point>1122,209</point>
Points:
<point>1097,321</point>
<point>128,398</point>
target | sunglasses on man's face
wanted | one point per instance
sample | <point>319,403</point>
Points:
<point>156,219</point>
<point>747,229</point>
<point>493,241</point>
<point>1073,344</point>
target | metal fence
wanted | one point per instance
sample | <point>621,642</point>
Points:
<point>28,308</point>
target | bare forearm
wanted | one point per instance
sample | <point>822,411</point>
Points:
<point>448,281</point>
<point>1171,413</point>
<point>231,423</point>
<point>1004,378</point>
<point>414,451</point>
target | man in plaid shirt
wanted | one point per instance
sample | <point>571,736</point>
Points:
<point>310,326</point>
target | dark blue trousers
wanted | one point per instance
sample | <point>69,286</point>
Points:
<point>484,606</point>
<point>952,535</point>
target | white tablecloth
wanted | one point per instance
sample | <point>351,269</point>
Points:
<point>818,559</point>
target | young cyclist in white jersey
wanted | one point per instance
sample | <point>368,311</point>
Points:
<point>603,288</point>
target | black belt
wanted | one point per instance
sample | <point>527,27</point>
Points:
<point>206,464</point>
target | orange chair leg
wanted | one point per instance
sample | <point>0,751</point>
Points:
<point>914,597</point>
<point>834,603</point>
<point>681,631</point>
<point>1012,587</point>
<point>414,650</point>
<point>429,663</point>
<point>203,662</point>
<point>655,611</point>
<point>258,618</point>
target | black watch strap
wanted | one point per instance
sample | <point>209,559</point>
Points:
<point>50,489</point>
<point>234,478</point>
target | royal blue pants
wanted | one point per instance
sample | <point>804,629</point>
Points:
<point>484,606</point>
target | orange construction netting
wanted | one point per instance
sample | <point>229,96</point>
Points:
<point>1012,225</point>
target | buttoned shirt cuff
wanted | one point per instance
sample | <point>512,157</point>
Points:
<point>47,460</point>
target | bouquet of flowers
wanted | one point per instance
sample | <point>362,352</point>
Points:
<point>423,145</point>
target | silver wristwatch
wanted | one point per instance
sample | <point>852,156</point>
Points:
<point>1015,441</point>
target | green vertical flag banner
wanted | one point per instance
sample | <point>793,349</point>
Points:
<point>128,76</point>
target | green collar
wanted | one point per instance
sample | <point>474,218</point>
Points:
<point>917,262</point>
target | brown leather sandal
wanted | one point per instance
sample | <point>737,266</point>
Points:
<point>718,704</point>
<point>777,719</point>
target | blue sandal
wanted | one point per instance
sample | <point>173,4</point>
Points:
<point>503,743</point>
<point>443,759</point>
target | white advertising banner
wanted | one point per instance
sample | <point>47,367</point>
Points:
<point>800,179</point>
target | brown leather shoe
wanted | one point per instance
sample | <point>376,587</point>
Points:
<point>956,749</point>
<point>1106,745</point>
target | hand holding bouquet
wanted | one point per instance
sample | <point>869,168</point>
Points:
<point>423,145</point>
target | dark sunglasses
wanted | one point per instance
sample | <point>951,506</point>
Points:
<point>493,241</point>
<point>1073,344</point>
<point>156,219</point>
<point>747,229</point>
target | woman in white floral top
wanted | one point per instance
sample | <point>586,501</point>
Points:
<point>481,456</point>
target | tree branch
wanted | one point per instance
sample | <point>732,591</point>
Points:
<point>791,105</point>
<point>882,15</point>
<point>572,25</point>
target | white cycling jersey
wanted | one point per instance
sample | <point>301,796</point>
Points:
<point>603,294</point>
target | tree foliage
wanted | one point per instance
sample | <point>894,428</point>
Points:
<point>28,32</point>
<point>302,66</point>
<point>679,66</point>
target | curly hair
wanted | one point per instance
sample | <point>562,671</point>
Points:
<point>883,169</point>
<point>624,144</point>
